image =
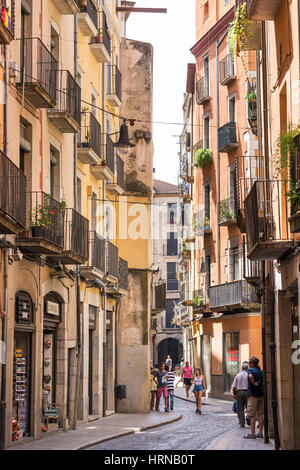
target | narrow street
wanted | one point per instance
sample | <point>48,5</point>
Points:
<point>192,432</point>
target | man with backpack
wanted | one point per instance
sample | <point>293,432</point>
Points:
<point>255,405</point>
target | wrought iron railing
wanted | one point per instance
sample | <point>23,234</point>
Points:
<point>112,259</point>
<point>114,81</point>
<point>76,233</point>
<point>46,217</point>
<point>266,212</point>
<point>232,293</point>
<point>102,36</point>
<point>123,274</point>
<point>12,190</point>
<point>227,136</point>
<point>90,132</point>
<point>202,89</point>
<point>120,171</point>
<point>68,95</point>
<point>89,7</point>
<point>227,68</point>
<point>110,154</point>
<point>38,66</point>
<point>252,271</point>
<point>97,251</point>
<point>248,169</point>
<point>295,176</point>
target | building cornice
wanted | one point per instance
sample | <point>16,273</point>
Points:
<point>213,34</point>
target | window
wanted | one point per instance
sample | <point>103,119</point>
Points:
<point>231,355</point>
<point>170,312</point>
<point>206,136</point>
<point>207,200</point>
<point>54,176</point>
<point>94,212</point>
<point>205,11</point>
<point>172,283</point>
<point>231,108</point>
<point>206,75</point>
<point>208,271</point>
<point>172,209</point>
<point>172,246</point>
<point>235,264</point>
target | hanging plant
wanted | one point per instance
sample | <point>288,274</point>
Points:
<point>293,195</point>
<point>203,157</point>
<point>239,34</point>
<point>285,152</point>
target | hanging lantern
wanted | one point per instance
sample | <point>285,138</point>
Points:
<point>123,141</point>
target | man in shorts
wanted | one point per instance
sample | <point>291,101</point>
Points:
<point>255,405</point>
<point>162,382</point>
<point>187,374</point>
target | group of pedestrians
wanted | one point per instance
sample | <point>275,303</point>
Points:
<point>162,384</point>
<point>247,390</point>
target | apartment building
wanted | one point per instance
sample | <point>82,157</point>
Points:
<point>271,212</point>
<point>226,312</point>
<point>167,209</point>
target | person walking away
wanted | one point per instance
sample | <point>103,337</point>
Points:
<point>153,388</point>
<point>239,391</point>
<point>162,381</point>
<point>199,388</point>
<point>170,388</point>
<point>255,405</point>
<point>187,374</point>
<point>169,362</point>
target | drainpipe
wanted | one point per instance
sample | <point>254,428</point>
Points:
<point>3,365</point>
<point>116,351</point>
<point>218,161</point>
<point>104,381</point>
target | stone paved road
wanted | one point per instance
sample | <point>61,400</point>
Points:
<point>192,432</point>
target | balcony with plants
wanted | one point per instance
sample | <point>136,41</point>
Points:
<point>233,297</point>
<point>68,7</point>
<point>12,197</point>
<point>106,169</point>
<point>289,147</point>
<point>45,225</point>
<point>88,18</point>
<point>100,44</point>
<point>89,143</point>
<point>38,73</point>
<point>7,23</point>
<point>66,114</point>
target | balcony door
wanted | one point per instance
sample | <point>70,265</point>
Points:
<point>231,358</point>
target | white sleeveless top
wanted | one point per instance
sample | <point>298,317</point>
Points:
<point>197,381</point>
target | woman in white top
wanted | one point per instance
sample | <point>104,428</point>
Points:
<point>199,388</point>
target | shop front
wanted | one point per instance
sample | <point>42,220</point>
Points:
<point>52,320</point>
<point>22,368</point>
<point>92,328</point>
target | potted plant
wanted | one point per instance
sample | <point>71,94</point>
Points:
<point>293,196</point>
<point>203,157</point>
<point>42,218</point>
<point>206,223</point>
<point>87,142</point>
<point>99,37</point>
<point>226,211</point>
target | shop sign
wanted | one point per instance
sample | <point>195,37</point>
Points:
<point>52,308</point>
<point>92,317</point>
<point>19,353</point>
<point>232,357</point>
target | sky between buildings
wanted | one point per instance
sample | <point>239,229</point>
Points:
<point>172,35</point>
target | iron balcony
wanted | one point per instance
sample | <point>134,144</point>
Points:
<point>227,211</point>
<point>89,144</point>
<point>12,197</point>
<point>101,43</point>
<point>233,296</point>
<point>112,261</point>
<point>66,114</point>
<point>262,10</point>
<point>227,70</point>
<point>88,18</point>
<point>294,219</point>
<point>46,221</point>
<point>96,265</point>
<point>266,218</point>
<point>38,73</point>
<point>68,7</point>
<point>227,138</point>
<point>114,85</point>
<point>123,275</point>
<point>202,90</point>
<point>106,168</point>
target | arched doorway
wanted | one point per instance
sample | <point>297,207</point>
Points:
<point>170,346</point>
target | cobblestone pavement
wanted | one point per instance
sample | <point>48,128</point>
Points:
<point>192,432</point>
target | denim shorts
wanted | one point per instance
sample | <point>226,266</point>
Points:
<point>198,388</point>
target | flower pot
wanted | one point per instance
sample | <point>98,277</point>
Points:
<point>37,231</point>
<point>24,234</point>
<point>79,145</point>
